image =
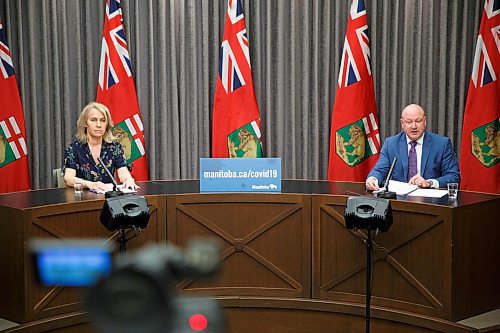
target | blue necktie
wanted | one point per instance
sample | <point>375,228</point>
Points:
<point>412,160</point>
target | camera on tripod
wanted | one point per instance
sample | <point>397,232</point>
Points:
<point>134,292</point>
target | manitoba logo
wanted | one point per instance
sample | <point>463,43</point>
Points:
<point>485,143</point>
<point>12,142</point>
<point>245,141</point>
<point>357,141</point>
<point>130,133</point>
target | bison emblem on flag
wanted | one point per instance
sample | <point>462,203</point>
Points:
<point>358,141</point>
<point>130,133</point>
<point>245,141</point>
<point>485,143</point>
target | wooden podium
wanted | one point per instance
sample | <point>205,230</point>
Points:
<point>288,261</point>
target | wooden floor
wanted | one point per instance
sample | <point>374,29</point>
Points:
<point>5,324</point>
<point>485,323</point>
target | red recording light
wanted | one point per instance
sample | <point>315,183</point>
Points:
<point>198,322</point>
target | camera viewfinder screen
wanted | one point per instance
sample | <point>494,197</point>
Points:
<point>72,266</point>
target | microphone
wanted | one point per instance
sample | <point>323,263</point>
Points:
<point>386,193</point>
<point>116,192</point>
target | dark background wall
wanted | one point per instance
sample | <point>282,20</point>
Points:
<point>422,52</point>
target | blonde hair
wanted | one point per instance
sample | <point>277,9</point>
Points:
<point>81,123</point>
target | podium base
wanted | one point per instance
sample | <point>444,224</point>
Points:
<point>387,195</point>
<point>110,194</point>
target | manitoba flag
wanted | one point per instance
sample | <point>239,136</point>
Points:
<point>116,90</point>
<point>480,150</point>
<point>354,136</point>
<point>236,119</point>
<point>14,169</point>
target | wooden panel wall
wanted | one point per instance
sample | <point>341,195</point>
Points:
<point>411,262</point>
<point>26,300</point>
<point>266,241</point>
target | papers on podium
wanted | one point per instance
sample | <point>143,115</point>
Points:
<point>110,188</point>
<point>400,188</point>
<point>428,193</point>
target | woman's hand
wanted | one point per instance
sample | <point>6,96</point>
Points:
<point>96,185</point>
<point>130,183</point>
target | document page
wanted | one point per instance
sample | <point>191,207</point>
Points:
<point>428,193</point>
<point>110,188</point>
<point>400,188</point>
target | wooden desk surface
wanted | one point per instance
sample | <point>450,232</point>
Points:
<point>31,199</point>
<point>293,245</point>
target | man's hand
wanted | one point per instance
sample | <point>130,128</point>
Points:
<point>419,181</point>
<point>372,184</point>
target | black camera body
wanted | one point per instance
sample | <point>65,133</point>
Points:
<point>140,294</point>
<point>137,294</point>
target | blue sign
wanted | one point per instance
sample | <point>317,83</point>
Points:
<point>240,174</point>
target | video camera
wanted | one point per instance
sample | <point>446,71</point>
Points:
<point>135,292</point>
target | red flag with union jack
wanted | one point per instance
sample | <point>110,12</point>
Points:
<point>354,136</point>
<point>480,150</point>
<point>236,118</point>
<point>116,90</point>
<point>14,167</point>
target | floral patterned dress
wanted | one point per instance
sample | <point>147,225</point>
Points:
<point>78,156</point>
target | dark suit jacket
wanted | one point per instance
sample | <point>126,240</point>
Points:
<point>439,160</point>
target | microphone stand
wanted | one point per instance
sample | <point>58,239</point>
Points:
<point>115,192</point>
<point>386,194</point>
<point>369,269</point>
<point>123,239</point>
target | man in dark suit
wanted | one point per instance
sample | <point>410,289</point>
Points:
<point>423,158</point>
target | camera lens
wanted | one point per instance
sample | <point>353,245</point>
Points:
<point>130,301</point>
